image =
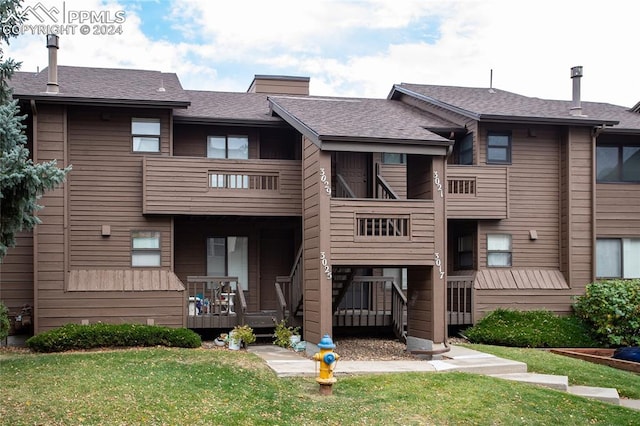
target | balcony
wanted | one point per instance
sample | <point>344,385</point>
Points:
<point>202,186</point>
<point>391,232</point>
<point>475,192</point>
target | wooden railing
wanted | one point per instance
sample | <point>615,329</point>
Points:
<point>460,300</point>
<point>205,186</point>
<point>398,311</point>
<point>382,226</point>
<point>477,192</point>
<point>384,190</point>
<point>289,288</point>
<point>343,190</point>
<point>372,301</point>
<point>214,302</point>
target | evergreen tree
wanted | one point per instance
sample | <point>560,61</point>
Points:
<point>22,182</point>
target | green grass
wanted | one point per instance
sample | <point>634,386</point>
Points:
<point>197,386</point>
<point>579,372</point>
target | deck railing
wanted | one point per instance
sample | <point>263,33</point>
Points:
<point>460,300</point>
<point>214,302</point>
<point>343,190</point>
<point>372,301</point>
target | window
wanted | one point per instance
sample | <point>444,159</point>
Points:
<point>498,250</point>
<point>618,258</point>
<point>465,252</point>
<point>393,158</point>
<point>465,150</point>
<point>229,257</point>
<point>145,248</point>
<point>232,147</point>
<point>499,148</point>
<point>146,134</point>
<point>617,163</point>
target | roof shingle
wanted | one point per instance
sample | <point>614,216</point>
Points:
<point>103,85</point>
<point>490,103</point>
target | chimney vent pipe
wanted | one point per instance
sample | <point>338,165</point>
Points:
<point>53,46</point>
<point>576,105</point>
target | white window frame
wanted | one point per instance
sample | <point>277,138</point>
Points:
<point>627,264</point>
<point>140,136</point>
<point>499,251</point>
<point>146,249</point>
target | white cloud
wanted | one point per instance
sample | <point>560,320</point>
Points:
<point>530,46</point>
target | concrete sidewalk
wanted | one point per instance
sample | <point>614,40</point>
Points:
<point>286,363</point>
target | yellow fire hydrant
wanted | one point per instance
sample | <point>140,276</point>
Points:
<point>328,360</point>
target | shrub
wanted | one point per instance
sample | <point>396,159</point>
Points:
<point>74,336</point>
<point>243,333</point>
<point>282,334</point>
<point>533,329</point>
<point>612,308</point>
<point>4,321</point>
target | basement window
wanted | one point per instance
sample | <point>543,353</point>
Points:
<point>145,249</point>
<point>145,133</point>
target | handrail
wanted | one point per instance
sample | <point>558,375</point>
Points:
<point>243,305</point>
<point>384,190</point>
<point>282,302</point>
<point>343,190</point>
<point>398,308</point>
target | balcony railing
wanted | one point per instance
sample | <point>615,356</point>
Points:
<point>392,231</point>
<point>203,186</point>
<point>475,192</point>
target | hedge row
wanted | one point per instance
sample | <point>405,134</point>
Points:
<point>74,336</point>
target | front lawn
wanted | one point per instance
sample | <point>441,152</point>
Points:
<point>198,386</point>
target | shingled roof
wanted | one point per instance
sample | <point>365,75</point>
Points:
<point>103,85</point>
<point>325,119</point>
<point>228,107</point>
<point>500,105</point>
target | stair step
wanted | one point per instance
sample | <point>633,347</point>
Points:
<point>602,394</point>
<point>546,380</point>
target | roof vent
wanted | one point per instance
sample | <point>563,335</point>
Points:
<point>576,105</point>
<point>53,45</point>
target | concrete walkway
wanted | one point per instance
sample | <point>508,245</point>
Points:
<point>286,363</point>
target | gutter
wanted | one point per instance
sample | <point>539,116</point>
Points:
<point>71,100</point>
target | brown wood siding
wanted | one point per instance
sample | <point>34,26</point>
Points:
<point>396,177</point>
<point>489,199</point>
<point>280,87</point>
<point>420,314</point>
<point>180,185</point>
<point>16,274</point>
<point>533,196</point>
<point>581,207</point>
<point>163,307</point>
<point>558,301</point>
<point>316,223</point>
<point>49,237</point>
<point>106,188</point>
<point>617,210</point>
<point>348,248</point>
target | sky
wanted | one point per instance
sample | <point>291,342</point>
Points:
<point>355,48</point>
